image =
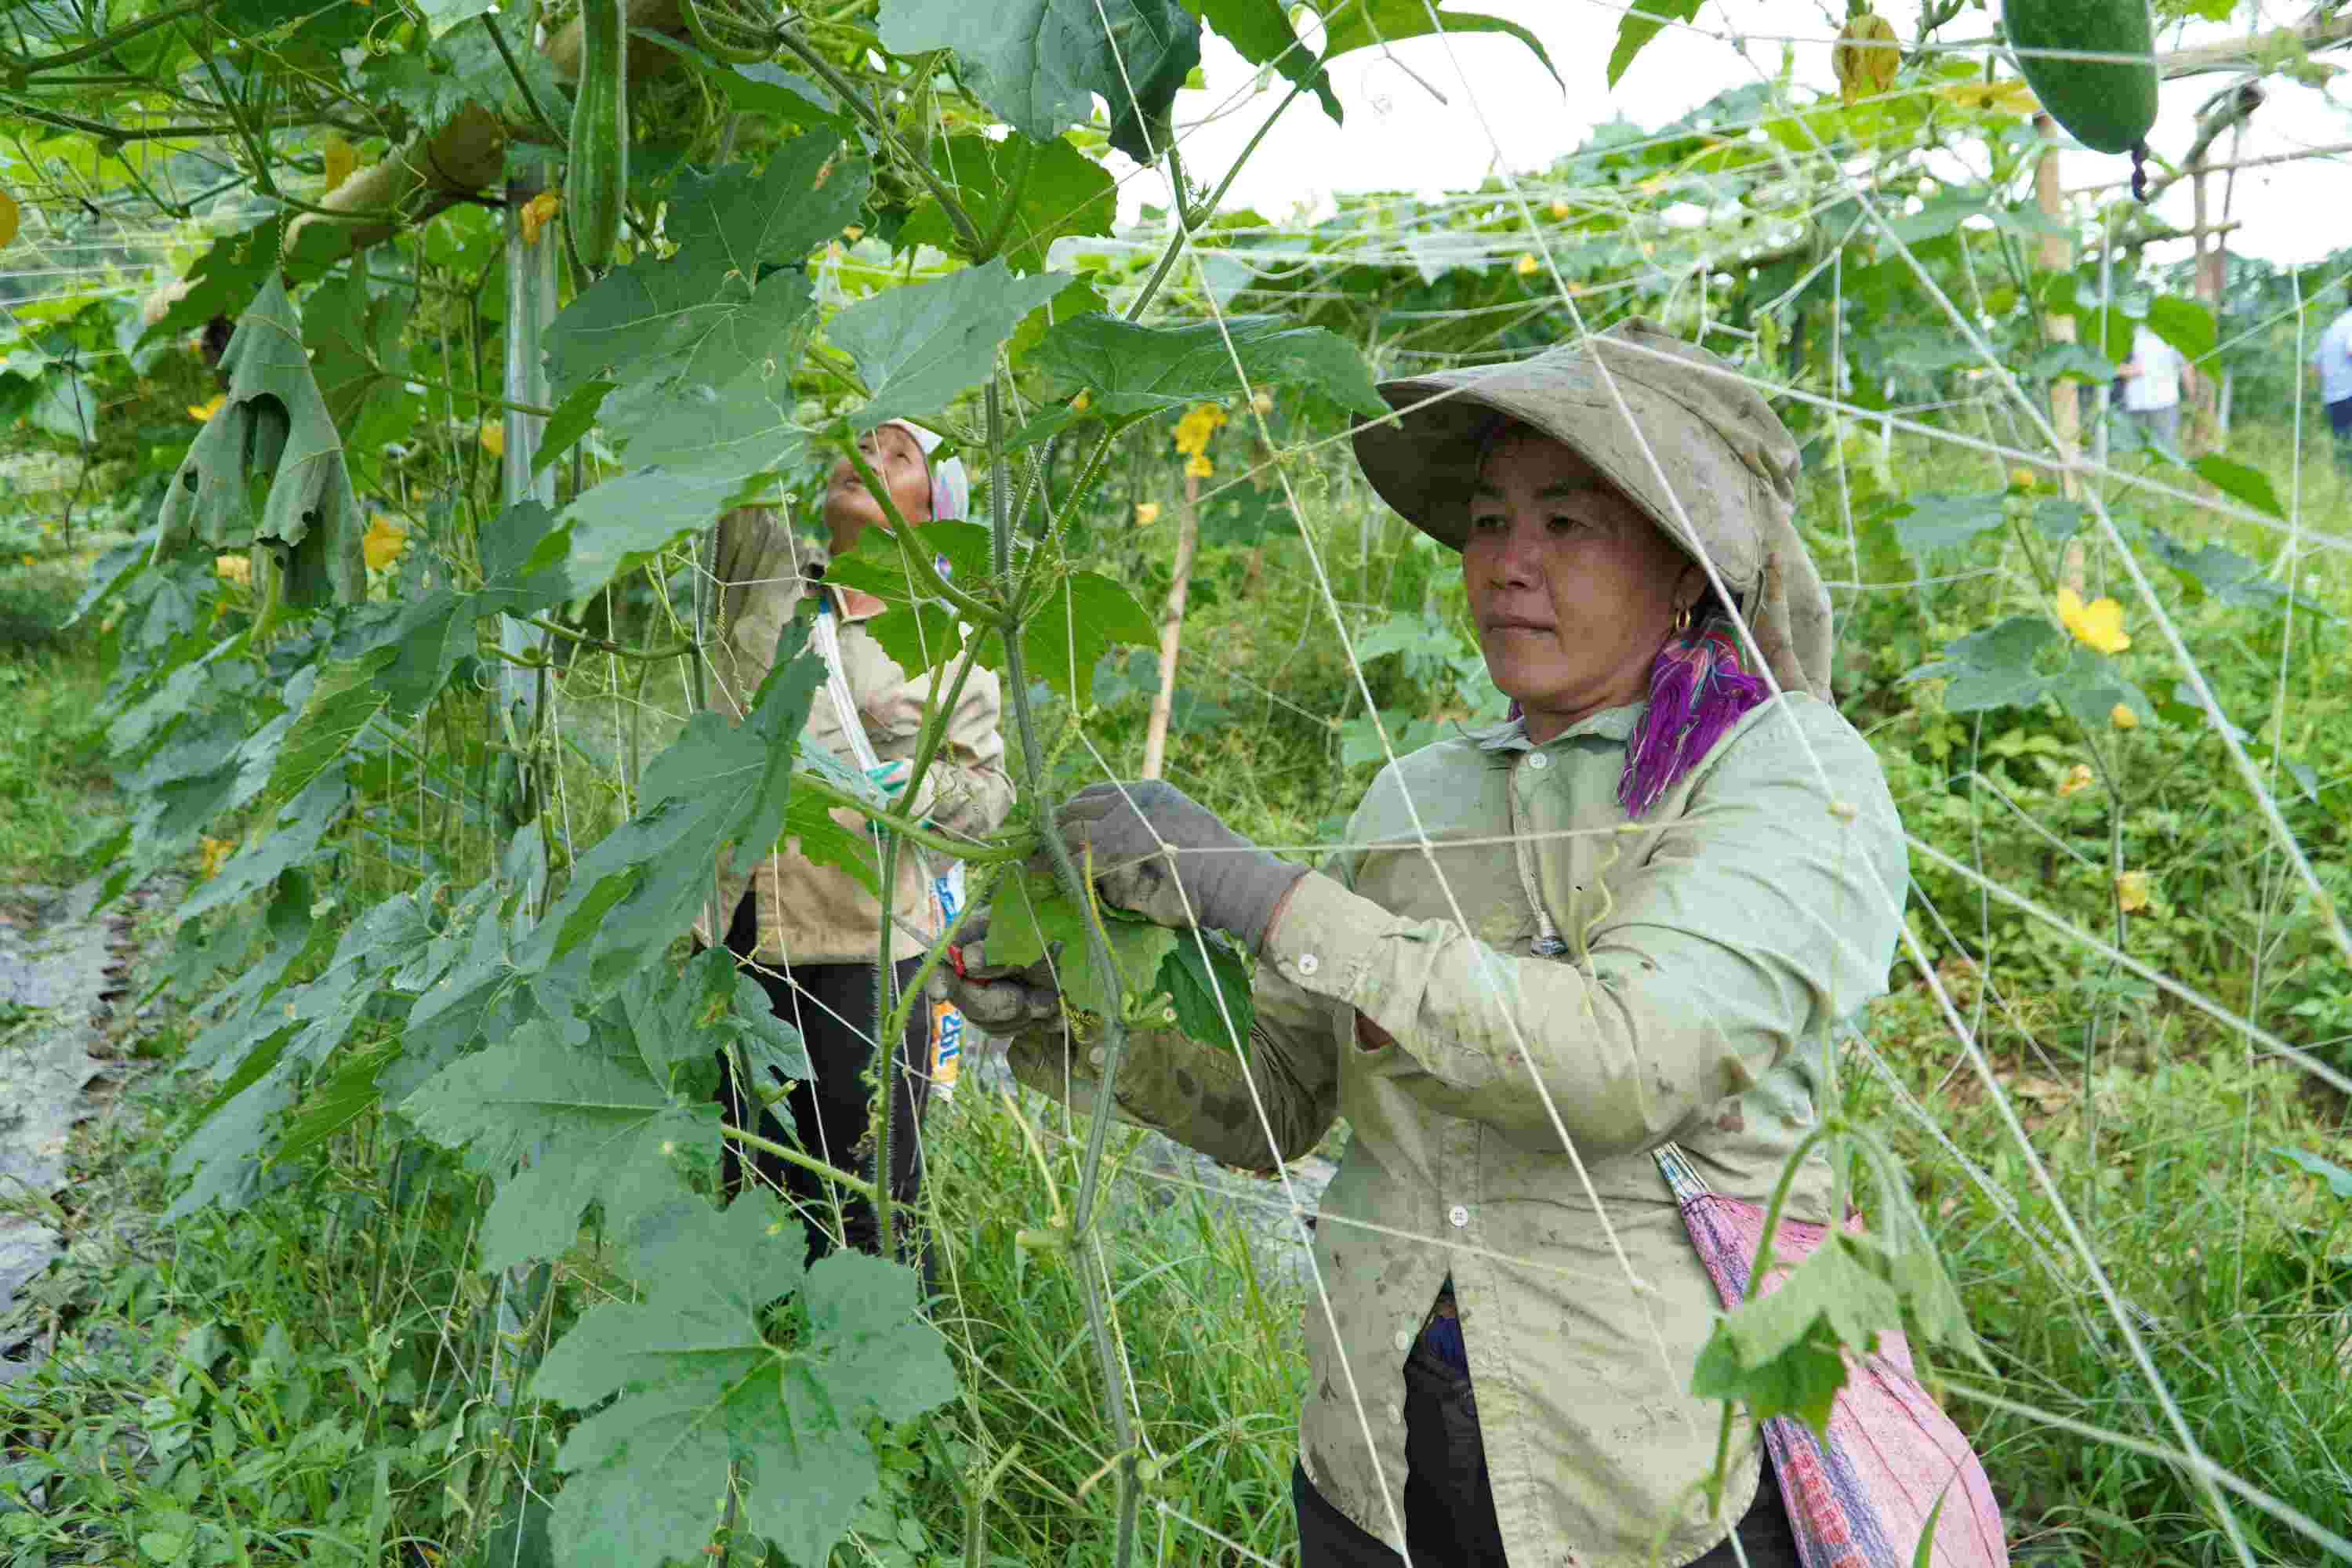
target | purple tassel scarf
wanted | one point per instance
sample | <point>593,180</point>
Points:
<point>1697,692</point>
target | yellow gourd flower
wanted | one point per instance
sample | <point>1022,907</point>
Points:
<point>1560,209</point>
<point>200,412</point>
<point>383,542</point>
<point>538,213</point>
<point>1147,513</point>
<point>1526,266</point>
<point>2122,717</point>
<point>2078,779</point>
<point>1200,422</point>
<point>1078,405</point>
<point>2131,892</point>
<point>341,161</point>
<point>494,438</point>
<point>2021,479</point>
<point>213,854</point>
<point>2010,96</point>
<point>2098,625</point>
<point>1199,465</point>
<point>236,569</point>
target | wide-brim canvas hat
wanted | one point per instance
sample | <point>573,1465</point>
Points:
<point>1677,428</point>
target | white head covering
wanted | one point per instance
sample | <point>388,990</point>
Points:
<point>950,485</point>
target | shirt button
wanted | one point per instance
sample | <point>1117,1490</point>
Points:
<point>1396,1416</point>
<point>1457,1216</point>
<point>1308,963</point>
<point>1404,1339</point>
<point>1539,761</point>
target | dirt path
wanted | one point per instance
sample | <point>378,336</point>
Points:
<point>62,971</point>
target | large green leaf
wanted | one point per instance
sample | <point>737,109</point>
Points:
<point>1260,32</point>
<point>274,424</point>
<point>1208,983</point>
<point>639,511</point>
<point>2186,323</point>
<point>1029,192</point>
<point>1029,917</point>
<point>719,785</point>
<point>1944,522</point>
<point>357,352</point>
<point>703,344</point>
<point>1130,370</point>
<point>2249,484</point>
<point>1379,22</point>
<point>1993,668</point>
<point>921,345</point>
<point>708,1402</point>
<point>1040,63</point>
<point>560,1127</point>
<point>1085,616</point>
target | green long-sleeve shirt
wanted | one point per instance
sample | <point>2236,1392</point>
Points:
<point>1546,967</point>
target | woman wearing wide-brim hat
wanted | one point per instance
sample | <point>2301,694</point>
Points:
<point>1643,902</point>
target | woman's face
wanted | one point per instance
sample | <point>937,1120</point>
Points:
<point>1572,588</point>
<point>849,508</point>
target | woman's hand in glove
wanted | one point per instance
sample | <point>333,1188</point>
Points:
<point>1164,855</point>
<point>1002,999</point>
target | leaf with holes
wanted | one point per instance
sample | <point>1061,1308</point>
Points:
<point>921,345</point>
<point>1041,63</point>
<point>275,426</point>
<point>707,1403</point>
<point>1129,370</point>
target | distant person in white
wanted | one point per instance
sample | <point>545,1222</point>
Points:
<point>2333,362</point>
<point>2154,378</point>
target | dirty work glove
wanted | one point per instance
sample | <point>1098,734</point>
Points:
<point>1002,999</point>
<point>1218,879</point>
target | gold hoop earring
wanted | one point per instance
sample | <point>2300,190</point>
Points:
<point>1683,620</point>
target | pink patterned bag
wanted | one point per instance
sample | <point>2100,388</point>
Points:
<point>1860,1497</point>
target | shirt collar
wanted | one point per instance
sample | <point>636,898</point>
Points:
<point>1609,724</point>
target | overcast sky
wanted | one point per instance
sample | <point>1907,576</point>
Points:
<point>1399,136</point>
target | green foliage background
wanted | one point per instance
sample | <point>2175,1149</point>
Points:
<point>444,1274</point>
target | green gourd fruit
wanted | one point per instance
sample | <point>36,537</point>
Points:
<point>2106,105</point>
<point>597,181</point>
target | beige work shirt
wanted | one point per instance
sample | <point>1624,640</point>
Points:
<point>818,914</point>
<point>1548,967</point>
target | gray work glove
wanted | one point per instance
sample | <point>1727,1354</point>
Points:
<point>1215,877</point>
<point>1002,999</point>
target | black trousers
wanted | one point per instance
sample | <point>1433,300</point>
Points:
<point>1449,1510</point>
<point>832,1004</point>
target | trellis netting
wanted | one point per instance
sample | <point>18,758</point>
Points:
<point>427,613</point>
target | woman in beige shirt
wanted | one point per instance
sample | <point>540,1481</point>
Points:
<point>1627,916</point>
<point>811,934</point>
